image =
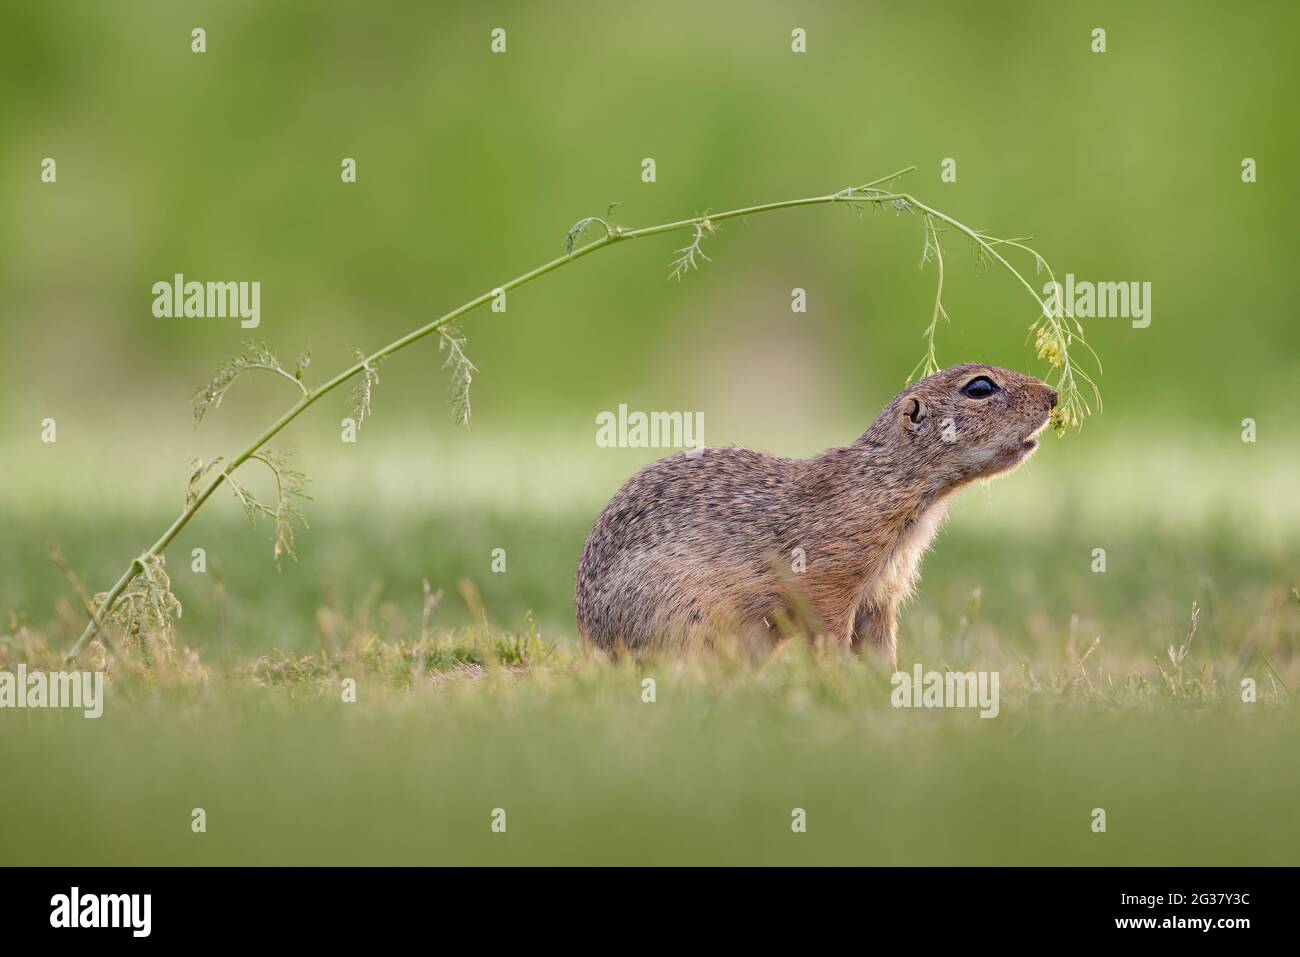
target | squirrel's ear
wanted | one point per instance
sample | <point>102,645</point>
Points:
<point>913,413</point>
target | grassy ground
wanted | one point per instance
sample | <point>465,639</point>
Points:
<point>486,702</point>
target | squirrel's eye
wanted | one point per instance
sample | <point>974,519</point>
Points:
<point>980,388</point>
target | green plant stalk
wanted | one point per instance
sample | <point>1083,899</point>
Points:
<point>1068,369</point>
<point>613,235</point>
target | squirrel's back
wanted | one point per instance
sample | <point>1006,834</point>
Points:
<point>672,532</point>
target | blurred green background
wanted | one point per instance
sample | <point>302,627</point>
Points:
<point>1122,166</point>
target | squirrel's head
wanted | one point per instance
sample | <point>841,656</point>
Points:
<point>965,423</point>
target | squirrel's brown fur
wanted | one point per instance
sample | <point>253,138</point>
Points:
<point>694,543</point>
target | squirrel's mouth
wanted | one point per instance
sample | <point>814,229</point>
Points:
<point>1030,442</point>
<point>1013,454</point>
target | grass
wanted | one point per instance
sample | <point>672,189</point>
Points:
<point>485,701</point>
<point>448,728</point>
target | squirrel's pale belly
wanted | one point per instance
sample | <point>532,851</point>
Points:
<point>900,572</point>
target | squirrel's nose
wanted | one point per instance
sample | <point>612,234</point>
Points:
<point>1051,398</point>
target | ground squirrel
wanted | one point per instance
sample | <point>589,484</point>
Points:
<point>740,540</point>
